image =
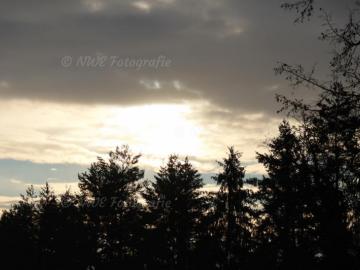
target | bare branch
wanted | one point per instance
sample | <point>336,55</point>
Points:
<point>304,8</point>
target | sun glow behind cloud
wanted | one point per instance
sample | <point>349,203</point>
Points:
<point>68,134</point>
<point>77,134</point>
<point>155,129</point>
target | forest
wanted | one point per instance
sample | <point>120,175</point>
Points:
<point>303,214</point>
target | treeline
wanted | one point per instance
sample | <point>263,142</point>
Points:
<point>119,221</point>
<point>304,214</point>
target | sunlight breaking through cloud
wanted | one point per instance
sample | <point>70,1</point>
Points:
<point>198,130</point>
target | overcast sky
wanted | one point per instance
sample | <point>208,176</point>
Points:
<point>217,89</point>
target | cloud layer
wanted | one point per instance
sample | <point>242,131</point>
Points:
<point>218,90</point>
<point>221,51</point>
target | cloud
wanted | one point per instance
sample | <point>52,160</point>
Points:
<point>59,187</point>
<point>77,134</point>
<point>7,201</point>
<point>210,188</point>
<point>4,84</point>
<point>142,5</point>
<point>218,91</point>
<point>224,51</point>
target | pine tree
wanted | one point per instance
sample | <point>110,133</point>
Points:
<point>175,207</point>
<point>72,242</point>
<point>48,222</point>
<point>330,129</point>
<point>287,199</point>
<point>233,211</point>
<point>110,189</point>
<point>19,234</point>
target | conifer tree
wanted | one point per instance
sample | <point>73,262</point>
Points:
<point>233,211</point>
<point>175,207</point>
<point>110,189</point>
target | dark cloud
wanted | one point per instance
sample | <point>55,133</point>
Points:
<point>221,51</point>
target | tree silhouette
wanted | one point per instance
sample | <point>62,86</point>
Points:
<point>330,134</point>
<point>114,214</point>
<point>287,199</point>
<point>234,213</point>
<point>19,234</point>
<point>175,207</point>
<point>48,220</point>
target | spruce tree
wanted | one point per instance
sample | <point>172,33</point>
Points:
<point>233,211</point>
<point>175,207</point>
<point>110,189</point>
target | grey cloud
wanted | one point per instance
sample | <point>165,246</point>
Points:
<point>223,51</point>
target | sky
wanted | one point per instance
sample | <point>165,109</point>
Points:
<point>190,77</point>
